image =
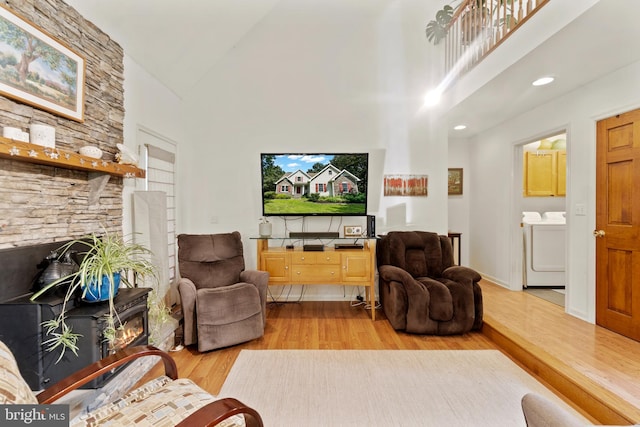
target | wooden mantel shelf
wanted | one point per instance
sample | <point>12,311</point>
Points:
<point>32,153</point>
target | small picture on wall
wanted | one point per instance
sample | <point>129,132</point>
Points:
<point>455,181</point>
<point>406,185</point>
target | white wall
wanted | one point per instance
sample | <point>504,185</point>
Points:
<point>494,218</point>
<point>313,82</point>
<point>460,210</point>
<point>150,105</point>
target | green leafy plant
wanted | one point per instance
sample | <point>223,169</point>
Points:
<point>159,314</point>
<point>105,256</point>
<point>438,28</point>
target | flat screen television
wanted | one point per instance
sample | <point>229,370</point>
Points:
<point>331,184</point>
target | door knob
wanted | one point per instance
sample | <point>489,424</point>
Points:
<point>598,233</point>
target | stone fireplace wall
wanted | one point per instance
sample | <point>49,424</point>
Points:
<point>41,204</point>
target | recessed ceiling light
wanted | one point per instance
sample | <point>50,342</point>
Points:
<point>543,81</point>
<point>460,127</point>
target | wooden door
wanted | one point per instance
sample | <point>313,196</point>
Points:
<point>618,224</point>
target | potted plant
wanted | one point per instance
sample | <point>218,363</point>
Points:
<point>108,261</point>
<point>474,17</point>
<point>438,27</point>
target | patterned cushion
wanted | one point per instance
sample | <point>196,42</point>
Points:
<point>161,402</point>
<point>13,389</point>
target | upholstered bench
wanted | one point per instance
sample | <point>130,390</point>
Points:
<point>166,400</point>
<point>541,412</point>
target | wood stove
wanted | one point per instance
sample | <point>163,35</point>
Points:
<point>21,322</point>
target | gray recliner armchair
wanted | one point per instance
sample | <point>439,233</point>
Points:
<point>223,304</point>
<point>421,290</point>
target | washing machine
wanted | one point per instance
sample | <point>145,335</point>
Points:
<point>544,253</point>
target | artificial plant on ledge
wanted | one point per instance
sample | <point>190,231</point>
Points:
<point>438,28</point>
<point>108,261</point>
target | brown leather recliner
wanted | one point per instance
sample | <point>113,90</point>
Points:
<point>223,304</point>
<point>421,290</point>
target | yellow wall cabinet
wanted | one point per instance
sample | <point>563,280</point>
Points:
<point>562,173</point>
<point>347,267</point>
<point>545,173</point>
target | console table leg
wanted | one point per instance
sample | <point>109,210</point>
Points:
<point>371,294</point>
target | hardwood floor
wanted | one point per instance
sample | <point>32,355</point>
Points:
<point>597,370</point>
<point>592,366</point>
<point>314,325</point>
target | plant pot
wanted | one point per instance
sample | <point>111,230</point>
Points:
<point>95,293</point>
<point>475,23</point>
<point>264,229</point>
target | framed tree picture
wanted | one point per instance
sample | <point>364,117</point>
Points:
<point>39,70</point>
<point>455,181</point>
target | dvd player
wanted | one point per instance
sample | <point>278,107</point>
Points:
<point>348,246</point>
<point>313,247</point>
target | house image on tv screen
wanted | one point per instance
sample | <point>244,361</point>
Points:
<point>329,182</point>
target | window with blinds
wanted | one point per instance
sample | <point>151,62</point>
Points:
<point>161,160</point>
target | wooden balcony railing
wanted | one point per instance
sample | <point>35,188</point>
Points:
<point>479,26</point>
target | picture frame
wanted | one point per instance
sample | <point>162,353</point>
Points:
<point>50,76</point>
<point>455,182</point>
<point>406,185</point>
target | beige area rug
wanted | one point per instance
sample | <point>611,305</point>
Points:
<point>382,387</point>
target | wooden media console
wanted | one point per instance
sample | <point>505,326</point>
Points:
<point>346,267</point>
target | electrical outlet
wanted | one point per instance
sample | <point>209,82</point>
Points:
<point>352,231</point>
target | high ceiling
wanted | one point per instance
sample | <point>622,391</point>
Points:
<point>172,40</point>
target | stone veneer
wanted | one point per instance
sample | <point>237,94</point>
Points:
<point>41,204</point>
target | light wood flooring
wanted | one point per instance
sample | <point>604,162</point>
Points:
<point>592,366</point>
<point>596,370</point>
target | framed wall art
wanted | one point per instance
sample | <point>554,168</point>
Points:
<point>39,70</point>
<point>455,181</point>
<point>406,185</point>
